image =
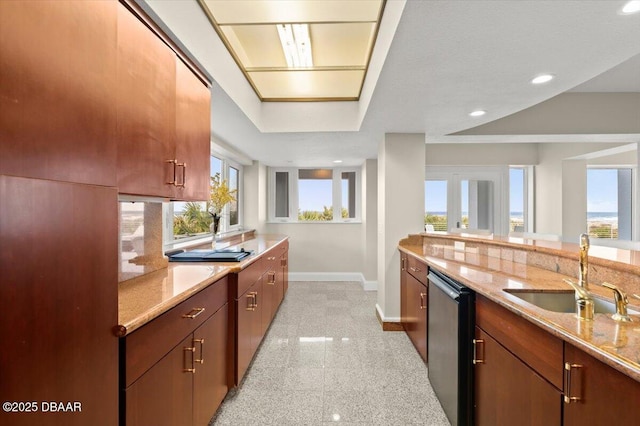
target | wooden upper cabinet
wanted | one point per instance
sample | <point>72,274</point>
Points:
<point>193,133</point>
<point>146,110</point>
<point>58,90</point>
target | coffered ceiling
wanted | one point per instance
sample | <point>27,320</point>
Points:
<point>301,50</point>
<point>434,62</point>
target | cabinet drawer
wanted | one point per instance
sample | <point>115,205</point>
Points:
<point>145,346</point>
<point>249,275</point>
<point>540,350</point>
<point>418,269</point>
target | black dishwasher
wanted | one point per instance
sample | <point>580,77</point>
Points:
<point>451,330</point>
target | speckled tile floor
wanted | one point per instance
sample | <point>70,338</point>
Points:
<point>326,359</point>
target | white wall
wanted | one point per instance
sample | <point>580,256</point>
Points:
<point>319,249</point>
<point>255,197</point>
<point>322,247</point>
<point>574,200</point>
<point>400,211</point>
<point>370,219</point>
<point>485,154</point>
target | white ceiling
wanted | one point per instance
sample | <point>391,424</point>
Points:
<point>446,59</point>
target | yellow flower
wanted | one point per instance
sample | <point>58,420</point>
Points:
<point>220,195</point>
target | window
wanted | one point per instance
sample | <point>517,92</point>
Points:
<point>185,221</point>
<point>609,205</point>
<point>314,195</point>
<point>435,205</point>
<point>466,198</point>
<point>234,185</point>
<point>517,194</point>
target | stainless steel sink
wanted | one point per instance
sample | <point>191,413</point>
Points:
<point>563,301</point>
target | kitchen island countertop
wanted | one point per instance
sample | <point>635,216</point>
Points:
<point>498,274</point>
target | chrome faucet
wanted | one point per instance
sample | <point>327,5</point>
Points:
<point>584,301</point>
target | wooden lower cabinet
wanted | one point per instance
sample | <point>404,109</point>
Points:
<point>164,394</point>
<point>415,323</point>
<point>262,286</point>
<point>507,391</point>
<point>178,384</point>
<point>249,330</point>
<point>210,384</point>
<point>606,396</point>
<point>284,272</point>
<point>413,307</point>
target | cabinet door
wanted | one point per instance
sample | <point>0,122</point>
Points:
<point>163,395</point>
<point>193,133</point>
<point>606,395</point>
<point>269,299</point>
<point>404,306</point>
<point>57,90</point>
<point>285,273</point>
<point>245,313</point>
<point>210,380</point>
<point>146,110</point>
<point>58,299</point>
<point>280,277</point>
<point>416,314</point>
<point>507,391</point>
<point>257,325</point>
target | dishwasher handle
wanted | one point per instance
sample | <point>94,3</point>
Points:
<point>448,290</point>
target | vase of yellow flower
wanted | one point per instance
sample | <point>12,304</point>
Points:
<point>220,195</point>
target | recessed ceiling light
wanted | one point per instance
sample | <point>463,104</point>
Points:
<point>337,161</point>
<point>543,78</point>
<point>631,7</point>
<point>477,113</point>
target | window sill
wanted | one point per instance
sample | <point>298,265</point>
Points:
<point>231,237</point>
<point>310,222</point>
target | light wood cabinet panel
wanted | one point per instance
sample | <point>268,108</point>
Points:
<point>606,395</point>
<point>57,90</point>
<point>58,299</point>
<point>507,391</point>
<point>146,110</point>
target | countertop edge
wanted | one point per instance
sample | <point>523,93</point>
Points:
<point>126,328</point>
<point>122,330</point>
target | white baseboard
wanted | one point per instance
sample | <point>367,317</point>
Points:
<point>370,285</point>
<point>334,276</point>
<point>384,318</point>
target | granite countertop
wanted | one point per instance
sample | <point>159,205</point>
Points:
<point>616,344</point>
<point>146,297</point>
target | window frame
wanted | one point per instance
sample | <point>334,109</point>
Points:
<point>634,207</point>
<point>336,195</point>
<point>527,196</point>
<point>169,242</point>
